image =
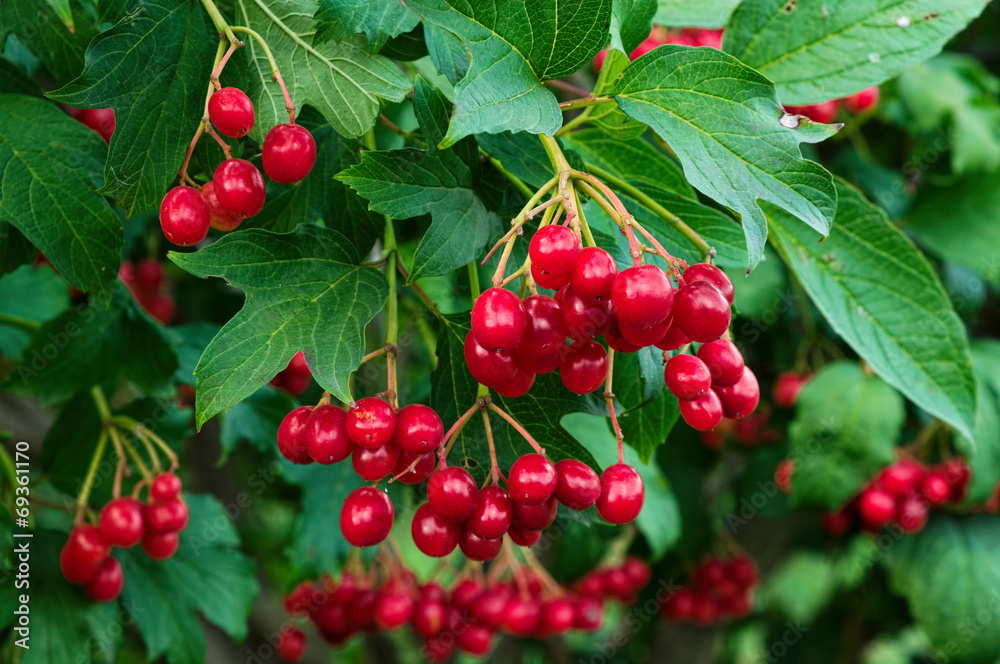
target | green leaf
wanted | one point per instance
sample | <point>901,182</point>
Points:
<point>318,544</point>
<point>342,81</point>
<point>763,293</point>
<point>949,573</point>
<point>447,52</point>
<point>15,250</point>
<point>149,68</point>
<point>255,420</point>
<point>983,448</point>
<point>512,50</point>
<point>51,165</point>
<point>819,51</point>
<point>13,79</point>
<point>631,23</point>
<point>320,306</point>
<point>409,183</point>
<point>207,576</point>
<point>723,122</point>
<point>701,14</point>
<point>189,342</point>
<point>649,412</point>
<point>801,587</point>
<point>64,11</point>
<point>838,450</point>
<point>339,20</point>
<point>39,28</point>
<point>33,293</point>
<point>634,160</point>
<point>879,293</point>
<point>520,153</point>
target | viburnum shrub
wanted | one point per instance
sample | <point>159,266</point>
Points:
<point>599,330</point>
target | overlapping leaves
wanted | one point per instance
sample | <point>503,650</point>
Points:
<point>339,20</point>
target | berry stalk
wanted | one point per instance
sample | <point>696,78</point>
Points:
<point>275,73</point>
<point>88,480</point>
<point>609,398</point>
<point>520,429</point>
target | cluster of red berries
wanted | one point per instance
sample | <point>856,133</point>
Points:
<point>237,190</point>
<point>86,558</point>
<point>718,590</point>
<point>294,378</point>
<point>147,282</point>
<point>101,120</point>
<point>826,112</point>
<point>661,35</point>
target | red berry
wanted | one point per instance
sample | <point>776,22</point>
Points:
<point>149,275</point>
<point>366,517</point>
<point>291,644</point>
<point>288,153</point>
<point>701,311</point>
<point>326,436</point>
<point>703,413</point>
<point>488,367</point>
<point>219,217</point>
<point>824,112</point>
<point>296,376</point>
<point>478,548</point>
<point>165,487</point>
<point>169,517</point>
<point>544,330</point>
<point>641,296</point>
<point>452,493</point>
<point>121,522</point>
<point>371,422</point>
<point>912,513</point>
<point>714,276</point>
<point>787,388</point>
<point>617,584</point>
<point>558,616</point>
<point>536,517</point>
<point>160,546</point>
<point>577,487</point>
<point>543,363</point>
<point>593,274</point>
<point>87,545</point>
<point>836,523</point>
<point>743,570</point>
<point>162,308</point>
<point>74,570</point>
<point>532,479</point>
<point>421,470</point>
<point>709,575</point>
<point>958,474</point>
<point>637,571</point>
<point>418,428</point>
<point>876,507</point>
<point>465,593</point>
<point>107,583</point>
<point>300,600</point>
<point>901,477</point>
<point>783,475</point>
<point>687,377</point>
<point>292,435</point>
<point>522,616</point>
<point>934,487</point>
<point>493,515</point>
<point>584,368</point>
<point>554,249</point>
<point>645,336</point>
<point>372,464</point>
<point>101,120</point>
<point>723,360</point>
<point>498,319</point>
<point>861,101</point>
<point>622,494</point>
<point>394,609</point>
<point>429,617</point>
<point>680,605</point>
<point>433,535</point>
<point>523,536</point>
<point>184,216</point>
<point>740,399</point>
<point>673,339</point>
<point>589,614</point>
<point>475,640</point>
<point>584,321</point>
<point>488,608</point>
<point>239,187</point>
<point>231,112</point>
<point>616,340</point>
<point>546,279</point>
<point>519,384</point>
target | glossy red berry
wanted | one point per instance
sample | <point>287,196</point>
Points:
<point>160,546</point>
<point>121,522</point>
<point>422,469</point>
<point>687,377</point>
<point>901,477</point>
<point>617,341</point>
<point>366,517</point>
<point>231,112</point>
<point>743,570</point>
<point>957,473</point>
<point>165,487</point>
<point>876,507</point>
<point>433,535</point>
<point>239,187</point>
<point>493,514</point>
<point>523,536</point>
<point>583,321</point>
<point>536,517</point>
<point>641,296</point>
<point>475,640</point>
<point>394,609</point>
<point>703,413</point>
<point>488,609</point>
<point>673,339</point>
<point>107,583</point>
<point>519,384</point>
<point>522,616</point>
<point>371,422</point>
<point>589,614</point>
<point>645,336</point>
<point>538,363</point>
<point>584,368</point>
<point>532,479</point>
<point>701,312</point>
<point>488,367</point>
<point>593,274</point>
<point>558,616</point>
<point>326,436</point>
<point>184,216</point>
<point>171,516</point>
<point>637,571</point>
<point>617,584</point>
<point>219,217</point>
<point>418,428</point>
<point>74,570</point>
<point>861,101</point>
<point>87,545</point>
<point>787,388</point>
<point>934,488</point>
<point>288,153</point>
<point>452,493</point>
<point>545,330</point>
<point>723,360</point>
<point>912,513</point>
<point>836,523</point>
<point>714,276</point>
<point>498,319</point>
<point>429,617</point>
<point>291,644</point>
<point>554,249</point>
<point>478,548</point>
<point>292,435</point>
<point>101,120</point>
<point>740,399</point>
<point>622,494</point>
<point>577,486</point>
<point>374,463</point>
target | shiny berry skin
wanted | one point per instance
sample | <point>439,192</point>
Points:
<point>545,279</point>
<point>418,428</point>
<point>372,464</point>
<point>487,367</point>
<point>522,616</point>
<point>326,436</point>
<point>493,515</point>
<point>239,187</point>
<point>836,523</point>
<point>292,435</point>
<point>622,494</point>
<point>291,644</point>
<point>452,493</point>
<point>861,101</point>
<point>371,422</point>
<point>637,571</point>
<point>498,319</point>
<point>701,312</point>
<point>787,388</point>
<point>532,480</point>
<point>723,360</point>
<point>641,296</point>
<point>536,517</point>
<point>107,583</point>
<point>577,485</point>
<point>558,616</point>
<point>184,216</point>
<point>544,330</point>
<point>166,517</point>
<point>433,535</point>
<point>714,276</point>
<point>87,545</point>
<point>934,488</point>
<point>876,507</point>
<point>589,614</point>
<point>475,640</point>
<point>645,336</point>
<point>518,385</point>
<point>554,249</point>
<point>911,514</point>
<point>160,546</point>
<point>76,571</point>
<point>544,363</point>
<point>901,477</point>
<point>219,217</point>
<point>478,548</point>
<point>366,517</point>
<point>488,609</point>
<point>703,413</point>
<point>617,341</point>
<point>288,153</point>
<point>583,321</point>
<point>429,617</point>
<point>231,112</point>
<point>523,536</point>
<point>740,399</point>
<point>687,377</point>
<point>394,609</point>
<point>121,522</point>
<point>957,473</point>
<point>165,487</point>
<point>584,368</point>
<point>421,470</point>
<point>101,120</point>
<point>783,475</point>
<point>593,274</point>
<point>743,570</point>
<point>673,339</point>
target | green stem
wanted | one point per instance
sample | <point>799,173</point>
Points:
<point>424,297</point>
<point>588,236</point>
<point>391,311</point>
<point>275,72</point>
<point>583,103</point>
<point>575,122</point>
<point>88,482</point>
<point>369,139</point>
<point>101,402</point>
<point>555,154</point>
<point>474,279</point>
<point>219,21</point>
<point>19,322</point>
<point>514,180</point>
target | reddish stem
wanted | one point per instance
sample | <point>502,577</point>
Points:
<point>455,429</point>
<point>214,78</point>
<point>521,430</point>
